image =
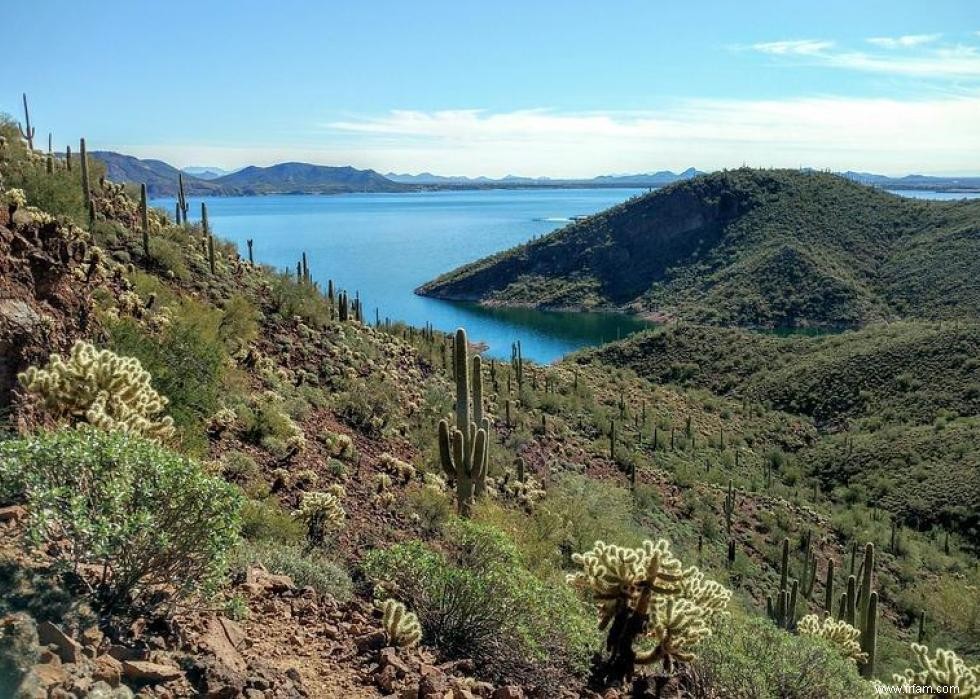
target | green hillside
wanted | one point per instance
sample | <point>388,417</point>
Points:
<point>772,248</point>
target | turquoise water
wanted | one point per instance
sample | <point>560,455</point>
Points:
<point>934,196</point>
<point>385,245</point>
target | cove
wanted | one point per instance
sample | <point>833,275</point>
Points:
<point>385,245</point>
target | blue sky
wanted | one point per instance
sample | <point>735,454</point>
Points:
<point>546,88</point>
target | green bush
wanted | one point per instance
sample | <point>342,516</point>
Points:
<point>186,361</point>
<point>479,601</point>
<point>314,570</point>
<point>265,520</point>
<point>752,659</point>
<point>145,515</point>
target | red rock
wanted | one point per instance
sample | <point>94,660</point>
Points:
<point>108,670</point>
<point>144,671</point>
<point>509,692</point>
<point>69,650</point>
<point>49,675</point>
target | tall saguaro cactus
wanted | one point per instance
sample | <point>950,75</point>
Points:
<point>145,220</point>
<point>86,187</point>
<point>463,449</point>
<point>27,131</point>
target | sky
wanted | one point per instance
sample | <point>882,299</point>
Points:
<point>546,88</point>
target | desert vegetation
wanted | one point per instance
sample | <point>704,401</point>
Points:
<point>229,478</point>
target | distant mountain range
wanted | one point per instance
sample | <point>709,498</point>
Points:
<point>304,178</point>
<point>206,173</point>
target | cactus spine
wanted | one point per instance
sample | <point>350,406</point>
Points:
<point>463,449</point>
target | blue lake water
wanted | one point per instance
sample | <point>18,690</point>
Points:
<point>385,245</point>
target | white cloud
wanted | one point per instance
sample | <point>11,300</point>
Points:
<point>938,63</point>
<point>903,42</point>
<point>794,47</point>
<point>887,135</point>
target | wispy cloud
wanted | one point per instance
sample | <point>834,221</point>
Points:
<point>903,42</point>
<point>920,59</point>
<point>887,135</point>
<point>794,47</point>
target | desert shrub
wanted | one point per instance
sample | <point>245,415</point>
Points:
<point>265,520</point>
<point>169,257</point>
<point>144,514</point>
<point>478,600</point>
<point>593,511</point>
<point>433,507</point>
<point>370,406</point>
<point>754,659</point>
<point>239,324</point>
<point>290,299</point>
<point>186,360</point>
<point>314,570</point>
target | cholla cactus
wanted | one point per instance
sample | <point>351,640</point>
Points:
<point>222,420</point>
<point>382,491</point>
<point>646,593</point>
<point>338,445</point>
<point>102,388</point>
<point>337,490</point>
<point>322,514</point>
<point>401,626</point>
<point>13,199</point>
<point>396,467</point>
<point>942,670</point>
<point>842,635</point>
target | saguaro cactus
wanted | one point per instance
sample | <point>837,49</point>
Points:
<point>869,636</point>
<point>27,131</point>
<point>145,220</point>
<point>463,448</point>
<point>782,610</point>
<point>82,153</point>
<point>729,506</point>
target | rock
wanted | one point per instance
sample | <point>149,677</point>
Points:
<point>433,684</point>
<point>13,513</point>
<point>386,678</point>
<point>293,674</point>
<point>388,657</point>
<point>49,675</point>
<point>509,692</point>
<point>92,636</point>
<point>143,671</point>
<point>107,670</point>
<point>483,689</point>
<point>100,690</point>
<point>68,649</point>
<point>49,656</point>
<point>370,641</point>
<point>124,653</point>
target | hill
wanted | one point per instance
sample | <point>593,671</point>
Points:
<point>159,177</point>
<point>911,373</point>
<point>284,178</point>
<point>747,247</point>
<point>304,178</point>
<point>897,406</point>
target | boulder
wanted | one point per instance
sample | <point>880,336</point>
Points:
<point>107,670</point>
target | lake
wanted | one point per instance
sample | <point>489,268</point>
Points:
<point>385,245</point>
